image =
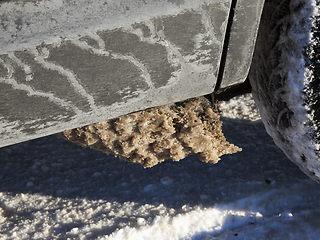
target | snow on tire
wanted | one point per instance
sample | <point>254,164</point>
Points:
<point>285,79</point>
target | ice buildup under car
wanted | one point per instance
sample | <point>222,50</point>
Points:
<point>151,136</point>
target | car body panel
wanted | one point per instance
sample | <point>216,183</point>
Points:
<point>66,64</point>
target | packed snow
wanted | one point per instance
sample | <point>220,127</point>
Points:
<point>54,189</point>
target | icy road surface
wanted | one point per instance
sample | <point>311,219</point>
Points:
<point>53,189</point>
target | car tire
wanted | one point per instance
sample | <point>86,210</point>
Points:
<point>285,79</point>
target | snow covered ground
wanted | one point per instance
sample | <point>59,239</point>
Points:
<point>53,189</point>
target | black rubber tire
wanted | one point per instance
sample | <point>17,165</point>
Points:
<point>285,79</point>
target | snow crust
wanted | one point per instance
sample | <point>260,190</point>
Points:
<point>246,110</point>
<point>151,136</point>
<point>53,189</point>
